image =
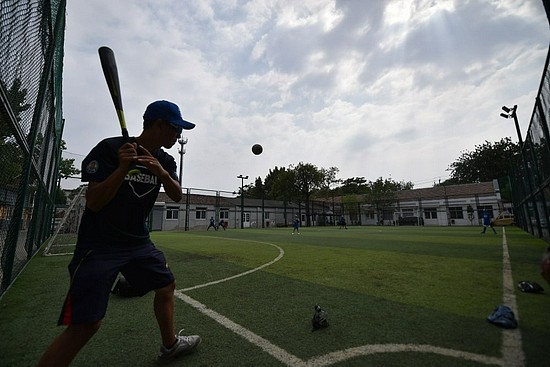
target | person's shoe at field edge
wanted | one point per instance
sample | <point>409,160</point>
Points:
<point>184,344</point>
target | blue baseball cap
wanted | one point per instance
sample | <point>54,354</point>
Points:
<point>168,112</point>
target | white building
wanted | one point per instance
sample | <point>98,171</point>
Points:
<point>460,205</point>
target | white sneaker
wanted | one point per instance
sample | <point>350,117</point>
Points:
<point>184,344</point>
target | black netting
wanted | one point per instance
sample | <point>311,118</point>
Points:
<point>531,179</point>
<point>31,123</point>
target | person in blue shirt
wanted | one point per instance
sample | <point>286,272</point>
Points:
<point>212,224</point>
<point>342,223</point>
<point>113,236</point>
<point>296,225</point>
<point>487,222</point>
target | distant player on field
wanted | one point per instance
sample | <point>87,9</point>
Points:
<point>342,223</point>
<point>487,222</point>
<point>212,224</point>
<point>296,225</point>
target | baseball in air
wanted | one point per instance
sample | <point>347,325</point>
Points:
<point>257,149</point>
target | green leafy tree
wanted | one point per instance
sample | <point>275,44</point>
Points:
<point>66,169</point>
<point>308,179</point>
<point>66,165</point>
<point>279,185</point>
<point>382,194</point>
<point>488,161</point>
<point>353,185</point>
<point>11,155</point>
<point>11,163</point>
<point>16,96</point>
<point>329,179</point>
<point>60,197</point>
<point>256,191</point>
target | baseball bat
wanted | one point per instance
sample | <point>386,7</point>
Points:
<point>108,64</point>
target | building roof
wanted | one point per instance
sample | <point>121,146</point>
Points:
<point>196,199</point>
<point>211,200</point>
<point>437,192</point>
<point>440,192</point>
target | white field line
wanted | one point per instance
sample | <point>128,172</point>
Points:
<point>268,347</point>
<point>510,357</point>
<point>512,352</point>
<point>281,254</point>
<point>342,355</point>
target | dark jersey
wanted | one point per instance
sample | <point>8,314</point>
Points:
<point>124,219</point>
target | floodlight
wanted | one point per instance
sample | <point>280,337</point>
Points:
<point>511,113</point>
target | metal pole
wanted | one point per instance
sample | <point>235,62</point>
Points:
<point>518,131</point>
<point>512,113</point>
<point>242,198</point>
<point>181,151</point>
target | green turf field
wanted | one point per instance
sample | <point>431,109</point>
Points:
<point>395,296</point>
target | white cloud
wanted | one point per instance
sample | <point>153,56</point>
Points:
<point>373,88</point>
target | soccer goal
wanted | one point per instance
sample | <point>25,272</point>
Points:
<point>63,240</point>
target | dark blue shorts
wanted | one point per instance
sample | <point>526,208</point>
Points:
<point>93,272</point>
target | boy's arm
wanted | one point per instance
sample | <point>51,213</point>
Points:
<point>101,193</point>
<point>171,186</point>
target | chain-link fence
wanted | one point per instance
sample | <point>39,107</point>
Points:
<point>31,124</point>
<point>531,179</point>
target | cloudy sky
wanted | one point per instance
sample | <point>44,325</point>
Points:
<point>393,89</point>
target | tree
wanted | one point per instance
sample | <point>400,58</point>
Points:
<point>381,194</point>
<point>329,180</point>
<point>299,183</point>
<point>66,169</point>
<point>16,96</point>
<point>487,162</point>
<point>279,185</point>
<point>308,178</point>
<point>66,166</point>
<point>256,191</point>
<point>11,155</point>
<point>353,185</point>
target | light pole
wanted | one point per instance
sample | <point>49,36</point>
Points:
<point>511,113</point>
<point>181,151</point>
<point>242,198</point>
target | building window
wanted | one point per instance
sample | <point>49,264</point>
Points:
<point>172,212</point>
<point>456,212</point>
<point>430,213</point>
<point>224,213</point>
<point>200,213</point>
<point>406,213</point>
<point>266,215</point>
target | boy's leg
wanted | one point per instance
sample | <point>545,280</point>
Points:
<point>164,313</point>
<point>172,346</point>
<point>67,345</point>
<point>92,274</point>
